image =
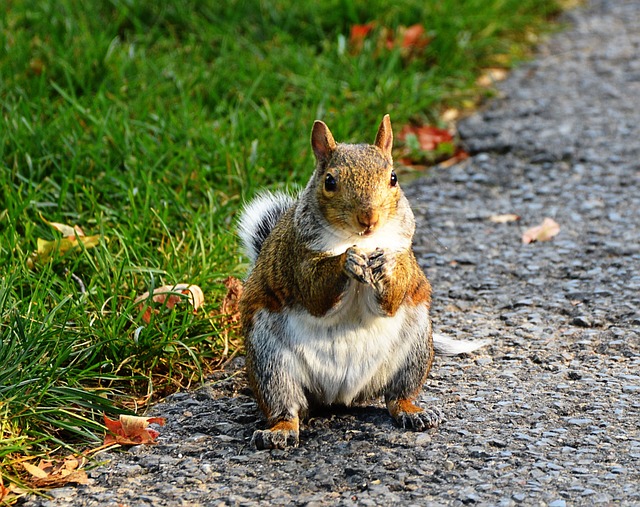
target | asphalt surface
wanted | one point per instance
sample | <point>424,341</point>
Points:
<point>549,414</point>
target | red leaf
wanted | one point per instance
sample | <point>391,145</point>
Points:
<point>359,34</point>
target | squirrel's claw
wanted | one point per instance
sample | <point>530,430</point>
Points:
<point>276,439</point>
<point>410,416</point>
<point>283,433</point>
<point>356,265</point>
<point>420,421</point>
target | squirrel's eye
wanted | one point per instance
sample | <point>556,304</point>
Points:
<point>394,179</point>
<point>330,183</point>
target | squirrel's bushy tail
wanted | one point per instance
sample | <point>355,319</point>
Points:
<point>259,217</point>
<point>445,346</point>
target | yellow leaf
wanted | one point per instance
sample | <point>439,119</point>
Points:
<point>47,248</point>
<point>66,230</point>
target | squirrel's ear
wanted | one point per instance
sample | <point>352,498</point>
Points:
<point>384,138</point>
<point>322,141</point>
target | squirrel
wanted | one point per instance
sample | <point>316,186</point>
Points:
<point>335,309</point>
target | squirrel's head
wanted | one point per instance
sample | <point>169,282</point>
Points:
<point>356,186</point>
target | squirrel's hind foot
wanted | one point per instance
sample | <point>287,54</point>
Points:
<point>281,435</point>
<point>410,416</point>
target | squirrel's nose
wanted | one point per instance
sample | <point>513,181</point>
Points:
<point>368,219</point>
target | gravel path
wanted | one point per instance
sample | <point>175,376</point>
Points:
<point>549,414</point>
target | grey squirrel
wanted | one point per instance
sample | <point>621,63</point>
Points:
<point>336,308</point>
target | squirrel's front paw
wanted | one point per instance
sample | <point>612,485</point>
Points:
<point>357,265</point>
<point>381,266</point>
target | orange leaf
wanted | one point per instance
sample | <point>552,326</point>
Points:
<point>414,37</point>
<point>4,491</point>
<point>131,430</point>
<point>543,232</point>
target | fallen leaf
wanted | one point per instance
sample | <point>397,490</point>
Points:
<point>72,239</point>
<point>168,296</point>
<point>459,156</point>
<point>231,300</point>
<point>429,137</point>
<point>57,481</point>
<point>230,311</point>
<point>4,491</point>
<point>543,232</point>
<point>359,32</point>
<point>49,474</point>
<point>491,76</point>
<point>66,230</point>
<point>414,37</point>
<point>503,219</point>
<point>410,40</point>
<point>131,430</point>
<point>357,36</point>
<point>450,115</point>
<point>62,246</point>
<point>35,471</point>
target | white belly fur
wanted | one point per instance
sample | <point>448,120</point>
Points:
<point>352,348</point>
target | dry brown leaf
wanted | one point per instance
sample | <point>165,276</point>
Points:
<point>59,480</point>
<point>35,471</point>
<point>491,76</point>
<point>168,296</point>
<point>543,232</point>
<point>503,219</point>
<point>232,299</point>
<point>131,430</point>
<point>49,474</point>
<point>459,156</point>
<point>450,115</point>
<point>230,311</point>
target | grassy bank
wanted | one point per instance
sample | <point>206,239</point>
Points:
<point>147,124</point>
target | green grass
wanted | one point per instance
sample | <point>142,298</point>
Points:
<point>149,123</point>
